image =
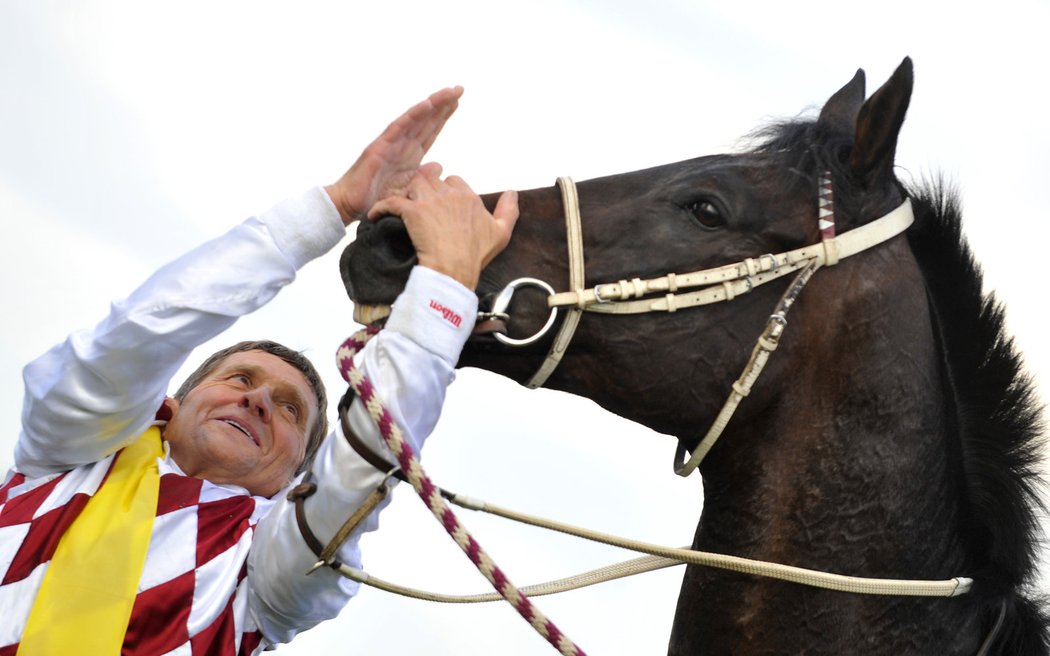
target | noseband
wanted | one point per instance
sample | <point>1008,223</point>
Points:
<point>668,294</point>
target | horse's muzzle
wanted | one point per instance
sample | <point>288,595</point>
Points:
<point>376,265</point>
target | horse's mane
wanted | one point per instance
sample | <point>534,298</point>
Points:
<point>997,414</point>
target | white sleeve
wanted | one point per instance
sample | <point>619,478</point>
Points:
<point>410,364</point>
<point>92,394</point>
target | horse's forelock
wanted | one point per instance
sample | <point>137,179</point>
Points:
<point>810,148</point>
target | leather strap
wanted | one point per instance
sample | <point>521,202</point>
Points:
<point>726,282</point>
<point>489,326</point>
<point>993,635</point>
<point>684,461</point>
<point>358,445</point>
<point>298,495</point>
<point>326,553</point>
<point>574,240</point>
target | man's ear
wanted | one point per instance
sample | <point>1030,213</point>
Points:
<point>167,409</point>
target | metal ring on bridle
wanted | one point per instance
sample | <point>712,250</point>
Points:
<point>502,303</point>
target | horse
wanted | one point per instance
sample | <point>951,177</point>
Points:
<point>893,432</point>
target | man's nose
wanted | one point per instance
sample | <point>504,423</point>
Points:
<point>258,401</point>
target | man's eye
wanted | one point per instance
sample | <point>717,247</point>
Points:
<point>241,378</point>
<point>292,409</point>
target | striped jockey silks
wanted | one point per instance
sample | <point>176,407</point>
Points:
<point>191,593</point>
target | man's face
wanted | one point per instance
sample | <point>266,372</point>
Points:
<point>246,423</point>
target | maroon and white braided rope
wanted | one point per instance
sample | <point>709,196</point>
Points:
<point>429,493</point>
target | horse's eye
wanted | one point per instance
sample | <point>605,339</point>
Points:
<point>708,214</point>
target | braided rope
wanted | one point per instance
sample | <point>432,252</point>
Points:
<point>431,496</point>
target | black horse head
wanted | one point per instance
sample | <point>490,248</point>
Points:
<point>890,435</point>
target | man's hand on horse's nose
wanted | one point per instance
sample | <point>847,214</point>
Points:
<point>451,229</point>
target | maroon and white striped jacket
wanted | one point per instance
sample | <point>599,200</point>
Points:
<point>191,597</point>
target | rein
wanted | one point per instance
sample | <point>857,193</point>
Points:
<point>715,285</point>
<point>430,494</point>
<point>657,556</point>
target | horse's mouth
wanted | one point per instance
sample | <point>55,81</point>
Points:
<point>371,314</point>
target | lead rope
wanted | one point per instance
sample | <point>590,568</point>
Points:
<point>431,497</point>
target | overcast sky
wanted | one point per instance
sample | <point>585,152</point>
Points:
<point>132,131</point>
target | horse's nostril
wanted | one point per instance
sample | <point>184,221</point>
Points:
<point>388,234</point>
<point>376,265</point>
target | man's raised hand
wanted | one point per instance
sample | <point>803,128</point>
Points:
<point>389,163</point>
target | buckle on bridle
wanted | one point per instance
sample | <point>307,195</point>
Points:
<point>598,295</point>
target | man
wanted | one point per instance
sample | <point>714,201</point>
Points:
<point>128,528</point>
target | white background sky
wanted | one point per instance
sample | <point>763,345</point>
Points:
<point>132,131</point>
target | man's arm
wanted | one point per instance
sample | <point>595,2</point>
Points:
<point>97,391</point>
<point>93,394</point>
<point>410,362</point>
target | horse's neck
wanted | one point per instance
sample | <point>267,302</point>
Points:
<point>847,468</point>
<point>854,425</point>
<point>841,479</point>
<point>853,451</point>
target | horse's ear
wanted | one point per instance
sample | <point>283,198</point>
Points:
<point>879,123</point>
<point>839,114</point>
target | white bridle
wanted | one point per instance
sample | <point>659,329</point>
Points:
<point>724,283</point>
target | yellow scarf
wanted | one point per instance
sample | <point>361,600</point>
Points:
<point>89,589</point>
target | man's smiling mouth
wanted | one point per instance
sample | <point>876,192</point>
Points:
<point>243,429</point>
